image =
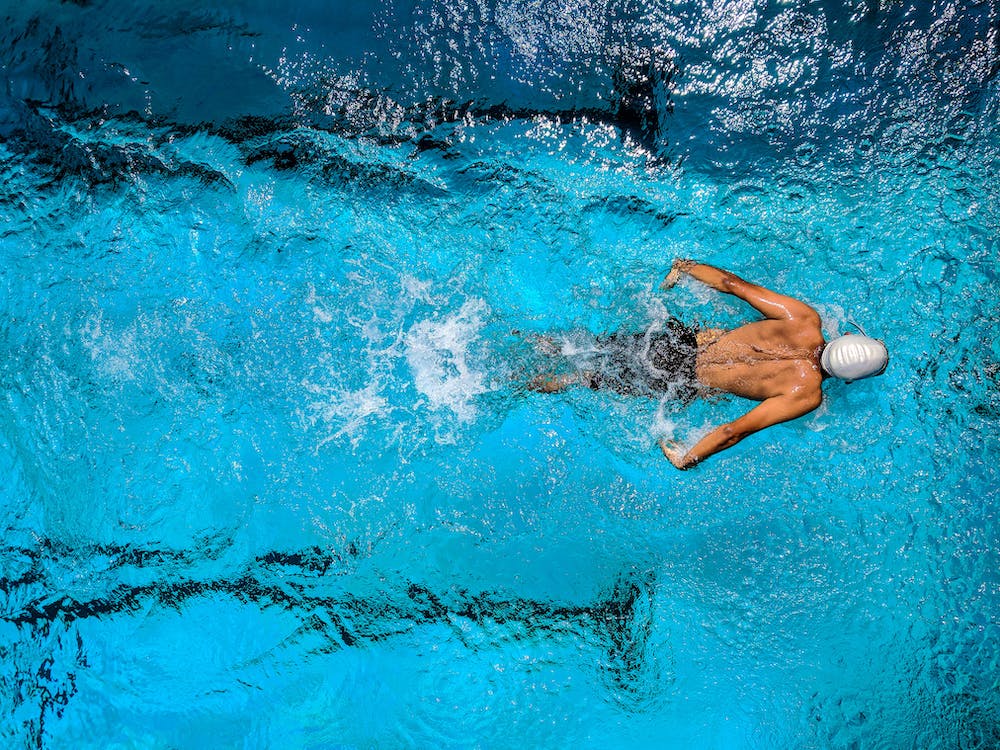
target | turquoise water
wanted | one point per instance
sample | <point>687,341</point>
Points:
<point>271,476</point>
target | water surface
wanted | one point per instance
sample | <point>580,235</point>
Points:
<point>271,476</point>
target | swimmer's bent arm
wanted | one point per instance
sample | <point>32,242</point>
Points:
<point>770,304</point>
<point>770,412</point>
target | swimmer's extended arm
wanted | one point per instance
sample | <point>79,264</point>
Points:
<point>770,304</point>
<point>770,412</point>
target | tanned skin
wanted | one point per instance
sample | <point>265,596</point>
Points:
<point>774,361</point>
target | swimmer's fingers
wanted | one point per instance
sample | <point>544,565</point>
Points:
<point>674,452</point>
<point>669,447</point>
<point>672,278</point>
<point>680,266</point>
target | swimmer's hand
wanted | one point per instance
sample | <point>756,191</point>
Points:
<point>675,453</point>
<point>680,266</point>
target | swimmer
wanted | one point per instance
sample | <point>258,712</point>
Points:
<point>780,361</point>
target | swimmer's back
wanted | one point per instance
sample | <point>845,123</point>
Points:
<point>762,359</point>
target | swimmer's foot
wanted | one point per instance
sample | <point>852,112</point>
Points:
<point>549,383</point>
<point>542,343</point>
<point>547,345</point>
<point>558,383</point>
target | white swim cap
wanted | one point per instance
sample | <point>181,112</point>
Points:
<point>854,357</point>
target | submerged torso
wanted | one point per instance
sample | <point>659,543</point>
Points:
<point>761,359</point>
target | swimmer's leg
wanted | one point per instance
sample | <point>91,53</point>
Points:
<point>559,383</point>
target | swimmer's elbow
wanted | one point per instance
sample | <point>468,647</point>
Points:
<point>809,402</point>
<point>730,282</point>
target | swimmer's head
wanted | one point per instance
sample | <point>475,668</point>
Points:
<point>854,357</point>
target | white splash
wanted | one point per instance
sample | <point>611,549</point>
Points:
<point>437,351</point>
<point>663,427</point>
<point>833,318</point>
<point>576,344</point>
<point>114,354</point>
<point>350,409</point>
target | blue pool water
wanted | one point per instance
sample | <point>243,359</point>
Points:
<point>271,478</point>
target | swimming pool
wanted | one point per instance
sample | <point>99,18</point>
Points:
<point>272,478</point>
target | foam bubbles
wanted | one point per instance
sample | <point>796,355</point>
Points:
<point>351,410</point>
<point>662,426</point>
<point>437,351</point>
<point>833,317</point>
<point>114,355</point>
